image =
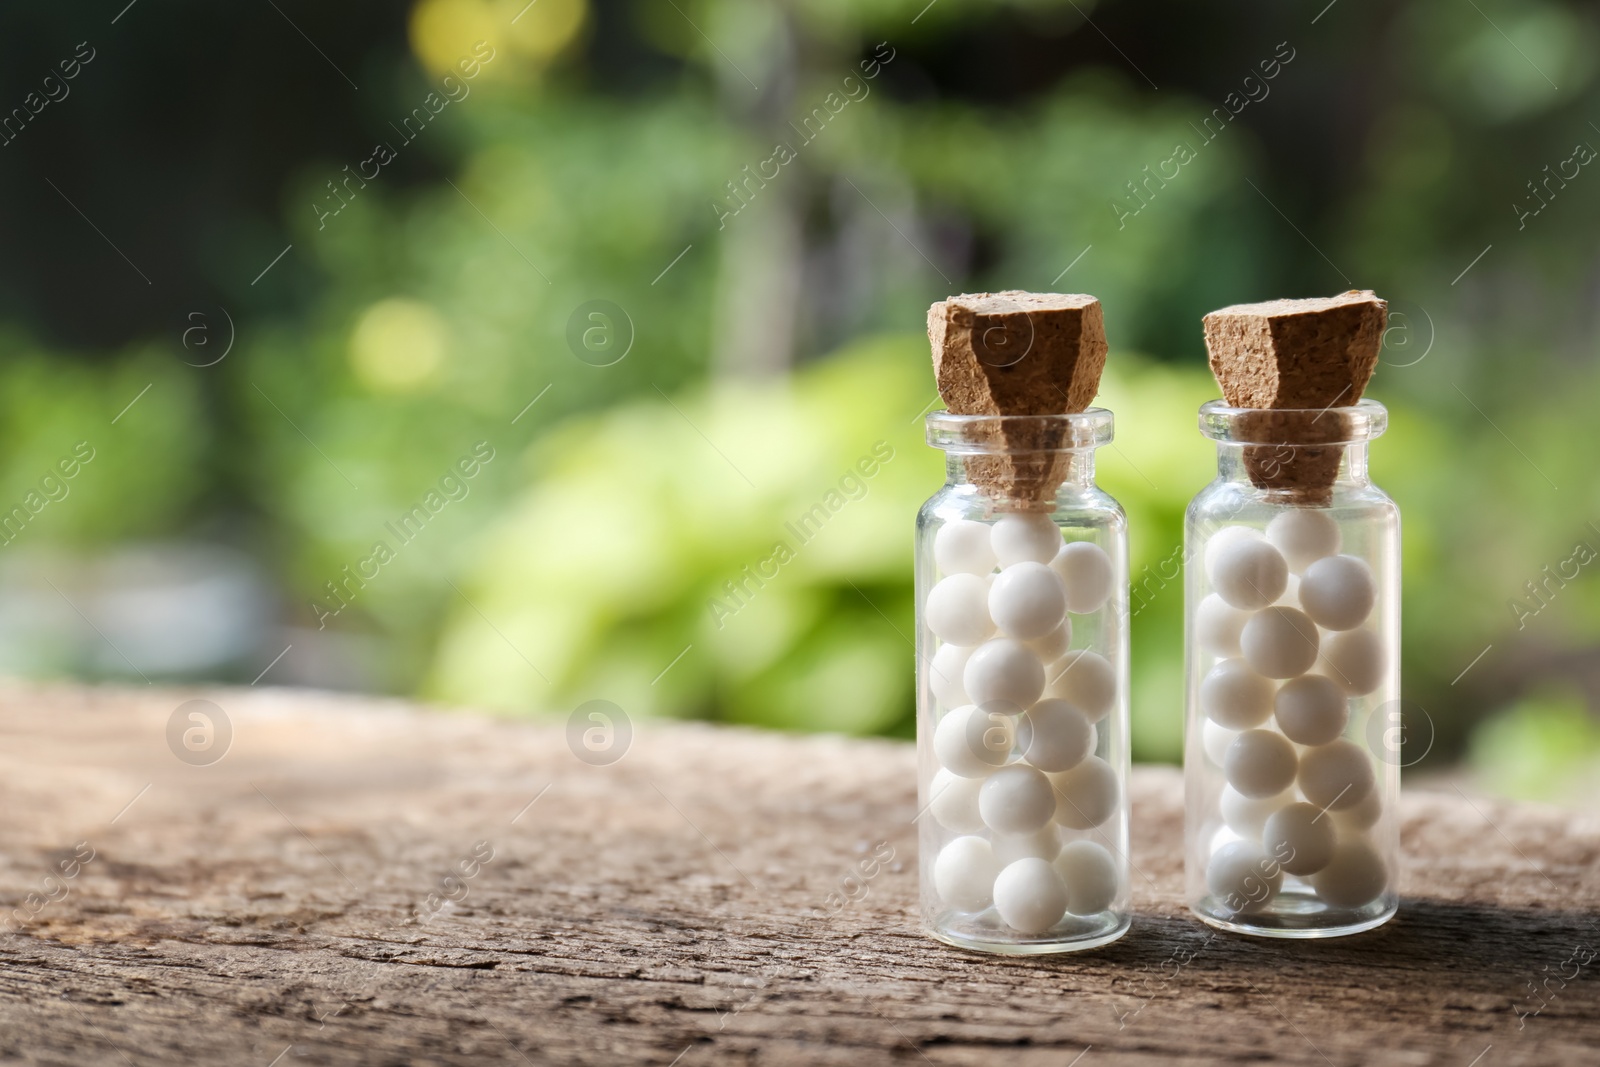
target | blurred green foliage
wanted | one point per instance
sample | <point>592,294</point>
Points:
<point>600,155</point>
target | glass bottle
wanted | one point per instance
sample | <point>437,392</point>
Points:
<point>1292,650</point>
<point>1022,682</point>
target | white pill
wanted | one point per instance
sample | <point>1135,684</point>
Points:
<point>1250,574</point>
<point>1221,541</point>
<point>1337,775</point>
<point>1338,592</point>
<point>1355,659</point>
<point>1361,817</point>
<point>971,743</point>
<point>1291,593</point>
<point>1260,763</point>
<point>1300,837</point>
<point>1016,800</point>
<point>1055,736</point>
<point>1223,836</point>
<point>1027,600</point>
<point>1053,645</point>
<point>1247,816</point>
<point>1311,709</point>
<point>1279,642</point>
<point>1003,675</point>
<point>1086,680</point>
<point>1233,695</point>
<point>1087,795</point>
<point>1303,536</point>
<point>1030,896</point>
<point>1215,740</point>
<point>1217,625</point>
<point>1355,876</point>
<point>1242,877</point>
<point>1021,537</point>
<point>1044,844</point>
<point>964,873</point>
<point>944,674</point>
<point>958,609</point>
<point>962,547</point>
<point>1086,570</point>
<point>953,800</point>
<point>1090,875</point>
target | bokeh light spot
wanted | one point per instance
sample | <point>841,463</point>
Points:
<point>398,346</point>
<point>445,31</point>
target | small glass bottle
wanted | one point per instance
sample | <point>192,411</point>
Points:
<point>1022,670</point>
<point>1292,648</point>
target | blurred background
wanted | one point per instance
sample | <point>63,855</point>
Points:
<point>467,350</point>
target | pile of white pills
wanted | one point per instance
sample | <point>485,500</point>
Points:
<point>1284,632</point>
<point>1016,735</point>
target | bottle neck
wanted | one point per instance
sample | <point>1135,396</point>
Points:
<point>1231,465</point>
<point>1075,468</point>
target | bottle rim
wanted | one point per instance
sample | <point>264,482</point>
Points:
<point>1351,425</point>
<point>999,435</point>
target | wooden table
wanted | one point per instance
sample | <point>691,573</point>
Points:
<point>674,907</point>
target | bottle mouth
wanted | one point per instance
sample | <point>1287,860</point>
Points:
<point>1360,422</point>
<point>1005,435</point>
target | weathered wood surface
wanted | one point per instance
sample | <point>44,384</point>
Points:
<point>672,908</point>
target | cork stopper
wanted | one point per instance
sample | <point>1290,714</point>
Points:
<point>1019,353</point>
<point>1292,361</point>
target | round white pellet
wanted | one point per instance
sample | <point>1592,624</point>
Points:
<point>1003,675</point>
<point>1086,571</point>
<point>1311,709</point>
<point>1087,795</point>
<point>1027,600</point>
<point>944,674</point>
<point>964,873</point>
<point>962,547</point>
<point>1260,763</point>
<point>1217,625</point>
<point>1247,816</point>
<point>1223,836</point>
<point>1044,845</point>
<point>1337,775</point>
<point>1291,593</point>
<point>970,743</point>
<point>1361,817</point>
<point>1086,680</point>
<point>1221,541</point>
<point>1055,736</point>
<point>1242,877</point>
<point>1250,574</point>
<point>1053,645</point>
<point>1303,536</point>
<point>1030,896</point>
<point>1022,537</point>
<point>958,609</point>
<point>1279,642</point>
<point>1338,592</point>
<point>1090,875</point>
<point>1300,837</point>
<point>1215,740</point>
<point>953,800</point>
<point>1355,659</point>
<point>1016,800</point>
<point>1233,695</point>
<point>1355,876</point>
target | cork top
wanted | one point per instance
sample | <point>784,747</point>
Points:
<point>1295,364</point>
<point>1311,353</point>
<point>1019,353</point>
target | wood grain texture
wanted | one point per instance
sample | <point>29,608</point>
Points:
<point>673,908</point>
